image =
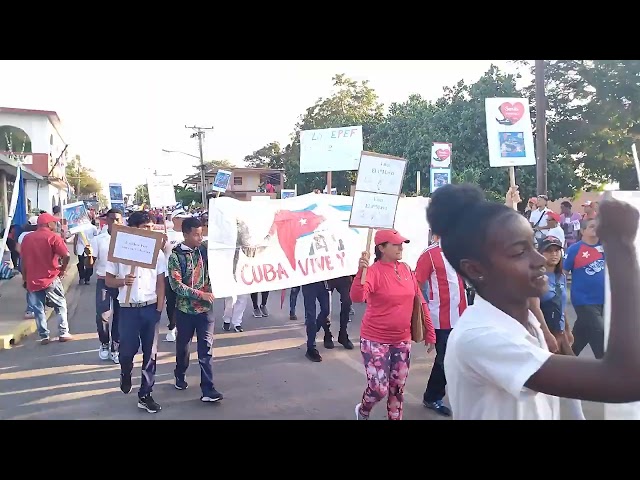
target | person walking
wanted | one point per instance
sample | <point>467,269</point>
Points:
<point>343,286</point>
<point>390,290</point>
<point>234,308</point>
<point>260,310</point>
<point>189,279</point>
<point>85,268</point>
<point>140,318</point>
<point>45,258</point>
<point>445,293</point>
<point>107,305</point>
<point>310,293</point>
<point>585,259</point>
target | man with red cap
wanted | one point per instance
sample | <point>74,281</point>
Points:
<point>555,230</point>
<point>45,258</point>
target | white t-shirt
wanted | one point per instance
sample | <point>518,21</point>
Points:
<point>21,237</point>
<point>490,356</point>
<point>89,233</point>
<point>535,216</point>
<point>144,286</point>
<point>100,249</point>
<point>556,232</point>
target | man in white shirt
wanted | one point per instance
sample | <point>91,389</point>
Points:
<point>107,306</point>
<point>84,271</point>
<point>538,218</point>
<point>555,230</point>
<point>140,318</point>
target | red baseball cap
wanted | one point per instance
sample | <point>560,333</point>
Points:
<point>45,218</point>
<point>389,236</point>
<point>553,216</point>
<point>588,203</point>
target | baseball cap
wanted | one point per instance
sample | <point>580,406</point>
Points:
<point>588,203</point>
<point>533,200</point>
<point>45,218</point>
<point>544,197</point>
<point>553,216</point>
<point>548,242</point>
<point>390,236</point>
<point>33,220</point>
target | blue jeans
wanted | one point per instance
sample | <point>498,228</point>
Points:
<point>202,325</point>
<point>311,293</point>
<point>53,296</point>
<point>139,325</point>
<point>293,299</point>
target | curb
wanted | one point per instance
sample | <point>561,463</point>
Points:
<point>28,327</point>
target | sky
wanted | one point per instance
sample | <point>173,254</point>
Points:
<point>120,115</point>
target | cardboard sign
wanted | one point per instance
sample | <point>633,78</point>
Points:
<point>134,246</point>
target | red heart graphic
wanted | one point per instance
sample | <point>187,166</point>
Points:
<point>442,153</point>
<point>512,111</point>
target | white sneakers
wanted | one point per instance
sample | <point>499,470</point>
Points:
<point>105,354</point>
<point>171,336</point>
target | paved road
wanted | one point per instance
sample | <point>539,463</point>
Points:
<point>262,372</point>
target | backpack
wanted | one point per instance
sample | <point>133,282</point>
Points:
<point>182,259</point>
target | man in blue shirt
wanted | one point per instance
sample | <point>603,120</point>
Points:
<point>585,261</point>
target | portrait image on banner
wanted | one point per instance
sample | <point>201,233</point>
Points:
<point>441,155</point>
<point>115,192</point>
<point>222,180</point>
<point>439,178</point>
<point>509,132</point>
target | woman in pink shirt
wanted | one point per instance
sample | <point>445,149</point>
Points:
<point>385,343</point>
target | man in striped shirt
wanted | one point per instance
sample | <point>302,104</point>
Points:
<point>444,291</point>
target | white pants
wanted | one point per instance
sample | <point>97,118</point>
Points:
<point>234,308</point>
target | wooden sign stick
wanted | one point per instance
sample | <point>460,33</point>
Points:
<point>132,271</point>
<point>512,183</point>
<point>164,219</point>
<point>363,278</point>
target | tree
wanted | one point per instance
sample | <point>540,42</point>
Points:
<point>594,112</point>
<point>81,178</point>
<point>352,103</point>
<point>186,196</point>
<point>141,195</point>
<point>459,117</point>
<point>269,156</point>
<point>223,164</point>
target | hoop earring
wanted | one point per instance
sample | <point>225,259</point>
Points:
<point>480,279</point>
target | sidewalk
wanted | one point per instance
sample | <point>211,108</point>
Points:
<point>13,326</point>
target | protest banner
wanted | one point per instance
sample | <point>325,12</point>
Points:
<point>378,188</point>
<point>135,247</point>
<point>296,241</point>
<point>161,191</point>
<point>76,217</point>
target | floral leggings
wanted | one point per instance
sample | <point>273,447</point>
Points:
<point>387,368</point>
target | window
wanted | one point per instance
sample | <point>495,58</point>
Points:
<point>237,180</point>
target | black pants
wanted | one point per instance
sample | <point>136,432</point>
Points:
<point>435,390</point>
<point>107,312</point>
<point>170,298</point>
<point>84,272</point>
<point>254,299</point>
<point>343,286</point>
<point>140,326</point>
<point>202,325</point>
<point>311,293</point>
<point>589,329</point>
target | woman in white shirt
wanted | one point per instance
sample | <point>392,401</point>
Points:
<point>497,363</point>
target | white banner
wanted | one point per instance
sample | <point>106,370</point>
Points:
<point>509,133</point>
<point>330,149</point>
<point>161,191</point>
<point>441,155</point>
<point>296,241</point>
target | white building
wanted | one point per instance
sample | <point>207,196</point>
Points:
<point>36,137</point>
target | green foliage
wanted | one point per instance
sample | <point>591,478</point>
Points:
<point>81,178</point>
<point>187,195</point>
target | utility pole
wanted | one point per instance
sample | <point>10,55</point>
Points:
<point>541,129</point>
<point>199,132</point>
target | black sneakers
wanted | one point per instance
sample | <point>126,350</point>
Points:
<point>313,355</point>
<point>125,383</point>
<point>181,384</point>
<point>343,339</point>
<point>212,396</point>
<point>149,404</point>
<point>328,341</point>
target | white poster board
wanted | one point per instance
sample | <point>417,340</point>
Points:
<point>330,149</point>
<point>441,155</point>
<point>161,191</point>
<point>619,411</point>
<point>378,187</point>
<point>509,132</point>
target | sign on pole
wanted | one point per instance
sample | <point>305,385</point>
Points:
<point>509,133</point>
<point>440,169</point>
<point>330,149</point>
<point>161,191</point>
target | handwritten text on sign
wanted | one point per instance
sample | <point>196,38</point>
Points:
<point>373,210</point>
<point>330,149</point>
<point>134,247</point>
<point>380,174</point>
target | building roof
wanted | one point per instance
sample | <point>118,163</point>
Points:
<point>195,178</point>
<point>50,114</point>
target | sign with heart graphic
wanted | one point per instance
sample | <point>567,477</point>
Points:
<point>509,133</point>
<point>441,155</point>
<point>512,111</point>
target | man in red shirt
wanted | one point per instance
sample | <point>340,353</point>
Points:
<point>445,293</point>
<point>45,258</point>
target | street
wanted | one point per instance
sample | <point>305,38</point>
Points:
<point>262,373</point>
